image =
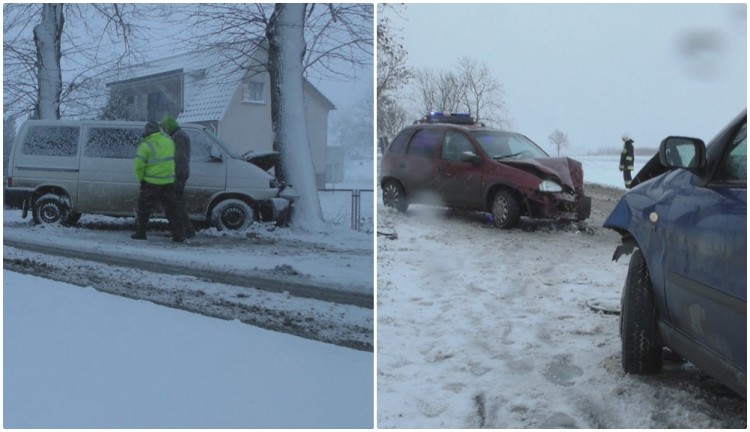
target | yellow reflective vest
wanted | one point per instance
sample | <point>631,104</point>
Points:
<point>154,160</point>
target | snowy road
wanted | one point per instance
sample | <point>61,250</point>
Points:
<point>314,286</point>
<point>267,282</point>
<point>485,328</point>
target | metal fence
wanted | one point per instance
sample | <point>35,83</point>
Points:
<point>360,216</point>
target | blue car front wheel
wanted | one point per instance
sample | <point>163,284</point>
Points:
<point>641,344</point>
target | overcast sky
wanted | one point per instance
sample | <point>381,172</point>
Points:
<point>594,71</point>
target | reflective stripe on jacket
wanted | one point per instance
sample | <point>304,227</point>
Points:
<point>627,157</point>
<point>154,160</point>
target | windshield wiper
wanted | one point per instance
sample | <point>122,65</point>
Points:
<point>507,156</point>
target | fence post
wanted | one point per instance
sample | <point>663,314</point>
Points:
<point>355,209</point>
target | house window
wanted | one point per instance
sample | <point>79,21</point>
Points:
<point>158,106</point>
<point>252,92</point>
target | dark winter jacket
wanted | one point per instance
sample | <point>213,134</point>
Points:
<point>182,147</point>
<point>628,156</point>
<point>181,153</point>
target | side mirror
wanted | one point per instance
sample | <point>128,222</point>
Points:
<point>469,156</point>
<point>682,152</point>
<point>215,154</point>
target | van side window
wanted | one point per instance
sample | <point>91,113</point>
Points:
<point>200,145</point>
<point>51,141</point>
<point>112,143</point>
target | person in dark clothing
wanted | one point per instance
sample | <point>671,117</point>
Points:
<point>182,169</point>
<point>627,159</point>
<point>154,169</point>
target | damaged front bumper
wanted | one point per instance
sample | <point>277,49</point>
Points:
<point>279,209</point>
<point>560,205</point>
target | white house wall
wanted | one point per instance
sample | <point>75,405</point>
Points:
<point>247,126</point>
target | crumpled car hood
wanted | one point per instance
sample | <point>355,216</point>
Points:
<point>568,171</point>
<point>265,160</point>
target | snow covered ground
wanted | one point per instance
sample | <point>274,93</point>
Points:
<point>76,357</point>
<point>477,327</point>
<point>604,170</point>
<point>487,328</point>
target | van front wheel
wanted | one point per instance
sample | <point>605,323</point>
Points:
<point>233,215</point>
<point>49,209</point>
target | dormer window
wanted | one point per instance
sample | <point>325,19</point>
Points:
<point>252,92</point>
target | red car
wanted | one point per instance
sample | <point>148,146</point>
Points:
<point>451,161</point>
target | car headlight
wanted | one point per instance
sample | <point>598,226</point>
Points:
<point>549,186</point>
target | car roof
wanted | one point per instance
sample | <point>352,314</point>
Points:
<point>468,128</point>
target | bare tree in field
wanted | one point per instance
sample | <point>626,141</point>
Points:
<point>483,94</point>
<point>559,140</point>
<point>438,91</point>
<point>392,117</point>
<point>472,89</point>
<point>393,75</point>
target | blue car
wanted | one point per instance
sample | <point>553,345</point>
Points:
<point>684,223</point>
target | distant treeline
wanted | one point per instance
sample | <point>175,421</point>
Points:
<point>639,151</point>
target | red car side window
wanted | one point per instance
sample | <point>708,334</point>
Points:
<point>424,143</point>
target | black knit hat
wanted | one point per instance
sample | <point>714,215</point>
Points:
<point>151,127</point>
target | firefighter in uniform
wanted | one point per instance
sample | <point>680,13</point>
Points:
<point>627,159</point>
<point>155,170</point>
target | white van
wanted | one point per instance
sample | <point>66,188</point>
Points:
<point>60,169</point>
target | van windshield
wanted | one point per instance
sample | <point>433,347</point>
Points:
<point>224,145</point>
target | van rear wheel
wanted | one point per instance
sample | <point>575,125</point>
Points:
<point>50,209</point>
<point>232,215</point>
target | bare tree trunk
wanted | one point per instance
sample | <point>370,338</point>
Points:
<point>285,57</point>
<point>47,36</point>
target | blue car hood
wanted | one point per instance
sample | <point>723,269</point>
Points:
<point>638,203</point>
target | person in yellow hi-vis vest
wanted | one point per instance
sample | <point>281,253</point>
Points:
<point>155,170</point>
<point>627,159</point>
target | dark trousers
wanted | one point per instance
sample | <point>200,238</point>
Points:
<point>627,178</point>
<point>179,193</point>
<point>149,197</point>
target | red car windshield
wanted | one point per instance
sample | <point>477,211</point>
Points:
<point>507,145</point>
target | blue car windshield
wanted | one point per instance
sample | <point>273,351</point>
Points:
<point>508,145</point>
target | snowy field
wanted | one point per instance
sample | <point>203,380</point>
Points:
<point>487,328</point>
<point>604,170</point>
<point>75,357</point>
